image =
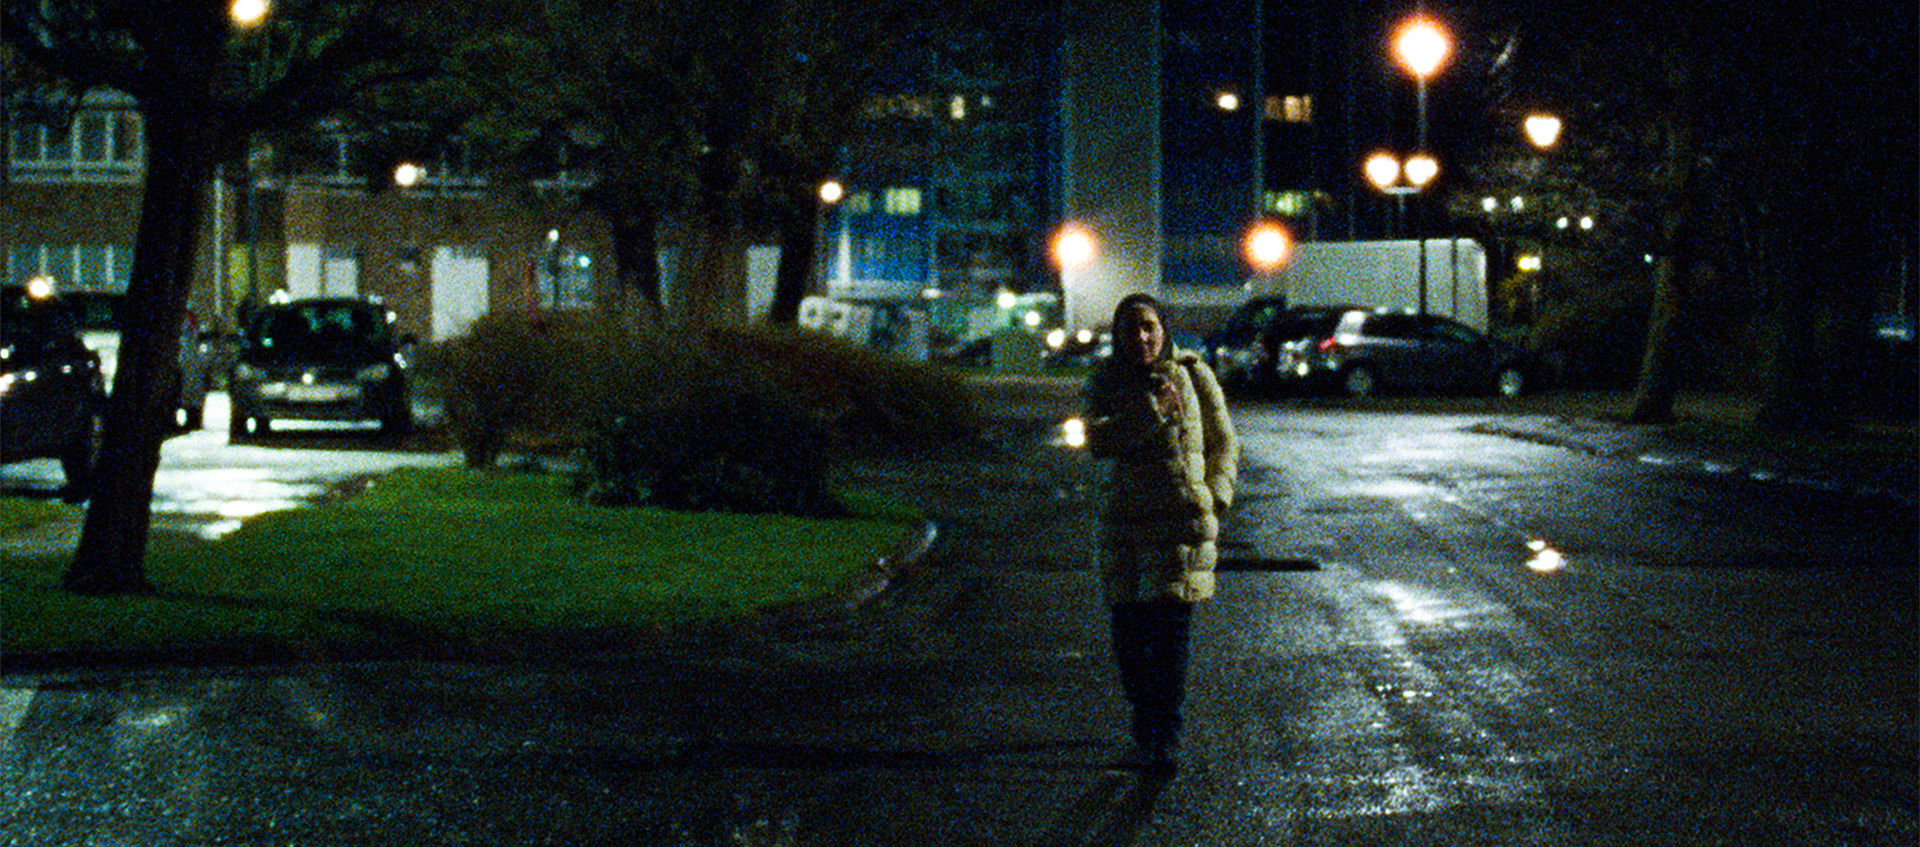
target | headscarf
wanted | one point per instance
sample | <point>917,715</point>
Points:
<point>1120,373</point>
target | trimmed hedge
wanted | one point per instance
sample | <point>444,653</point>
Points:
<point>733,419</point>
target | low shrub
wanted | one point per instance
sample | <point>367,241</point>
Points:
<point>536,382</point>
<point>863,397</point>
<point>734,419</point>
<point>719,447</point>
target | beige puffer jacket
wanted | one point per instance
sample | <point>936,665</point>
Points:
<point>1172,478</point>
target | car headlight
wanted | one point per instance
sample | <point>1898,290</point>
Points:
<point>248,373</point>
<point>374,373</point>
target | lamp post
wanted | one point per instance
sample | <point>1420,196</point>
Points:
<point>1422,46</point>
<point>1397,179</point>
<point>250,15</point>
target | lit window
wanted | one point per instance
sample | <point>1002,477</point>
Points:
<point>93,138</point>
<point>93,266</point>
<point>903,202</point>
<point>23,263</point>
<point>957,107</point>
<point>1293,109</point>
<point>127,137</point>
<point>859,203</point>
<point>59,146</point>
<point>1299,109</point>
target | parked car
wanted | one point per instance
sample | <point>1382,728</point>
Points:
<point>51,389</point>
<point>1246,349</point>
<point>320,359</point>
<point>102,318</point>
<point>1371,351</point>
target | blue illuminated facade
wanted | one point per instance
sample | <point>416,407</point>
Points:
<point>1255,105</point>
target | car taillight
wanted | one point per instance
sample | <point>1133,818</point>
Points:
<point>1329,347</point>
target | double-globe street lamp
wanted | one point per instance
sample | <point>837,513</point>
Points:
<point>1422,46</point>
<point>1398,179</point>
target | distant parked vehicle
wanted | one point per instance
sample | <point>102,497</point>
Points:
<point>102,319</point>
<point>1245,351</point>
<point>51,390</point>
<point>320,359</point>
<point>1370,352</point>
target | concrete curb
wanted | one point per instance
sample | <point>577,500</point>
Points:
<point>853,593</point>
<point>1599,439</point>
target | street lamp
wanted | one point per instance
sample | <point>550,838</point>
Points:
<point>1074,247</point>
<point>1542,129</point>
<point>1267,247</point>
<point>1386,171</point>
<point>248,13</point>
<point>1422,46</point>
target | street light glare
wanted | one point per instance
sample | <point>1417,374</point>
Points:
<point>1268,245</point>
<point>1543,130</point>
<point>831,191</point>
<point>1422,46</point>
<point>1227,101</point>
<point>1421,169</point>
<point>1073,247</point>
<point>406,175</point>
<point>1383,170</point>
<point>249,12</point>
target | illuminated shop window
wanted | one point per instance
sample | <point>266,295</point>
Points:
<point>903,202</point>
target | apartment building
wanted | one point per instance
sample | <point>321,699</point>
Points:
<point>440,251</point>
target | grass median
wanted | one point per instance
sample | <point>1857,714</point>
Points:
<point>445,555</point>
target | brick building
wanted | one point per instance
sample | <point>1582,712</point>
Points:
<point>440,252</point>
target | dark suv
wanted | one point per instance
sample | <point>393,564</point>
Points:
<point>51,391</point>
<point>1245,350</point>
<point>320,359</point>
<point>101,316</point>
<point>1372,351</point>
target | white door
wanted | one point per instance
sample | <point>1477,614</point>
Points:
<point>459,290</point>
<point>305,273</point>
<point>339,273</point>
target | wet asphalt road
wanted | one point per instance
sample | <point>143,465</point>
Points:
<point>1501,643</point>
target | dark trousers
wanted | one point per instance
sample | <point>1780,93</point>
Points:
<point>1150,645</point>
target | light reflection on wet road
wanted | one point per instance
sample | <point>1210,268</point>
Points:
<point>208,486</point>
<point>1698,661</point>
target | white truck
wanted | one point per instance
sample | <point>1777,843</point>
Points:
<point>1386,275</point>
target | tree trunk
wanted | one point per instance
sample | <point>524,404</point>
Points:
<point>113,540</point>
<point>1653,397</point>
<point>1654,394</point>
<point>799,244</point>
<point>711,290</point>
<point>636,252</point>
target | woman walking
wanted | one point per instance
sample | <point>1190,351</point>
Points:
<point>1161,418</point>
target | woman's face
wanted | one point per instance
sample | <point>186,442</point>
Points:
<point>1141,336</point>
